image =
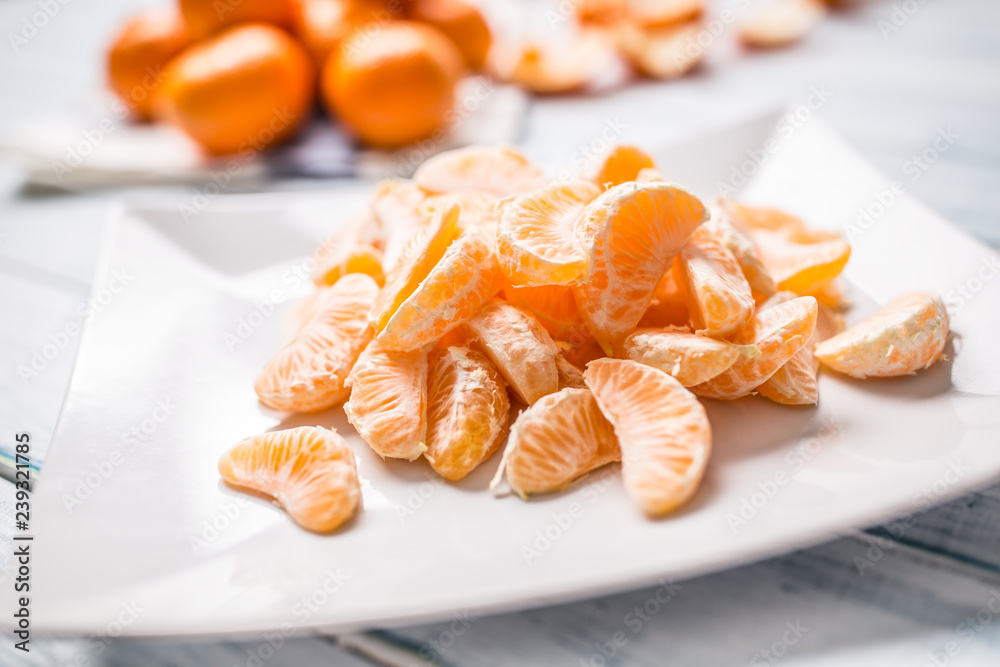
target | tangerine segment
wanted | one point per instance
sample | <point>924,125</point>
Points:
<point>801,266</point>
<point>519,346</point>
<point>308,373</point>
<point>349,258</point>
<point>780,23</point>
<point>467,411</point>
<point>719,296</point>
<point>552,305</point>
<point>467,276</point>
<point>662,429</point>
<point>652,13</point>
<point>310,472</point>
<point>795,383</point>
<point>394,206</point>
<point>569,375</point>
<point>669,306</point>
<point>417,261</point>
<point>562,67</point>
<point>555,442</point>
<point>630,233</point>
<point>536,236</point>
<point>623,163</point>
<point>800,260</point>
<point>388,403</point>
<point>907,335</point>
<point>500,170</point>
<point>743,249</point>
<point>664,52</point>
<point>475,209</point>
<point>778,332</point>
<point>688,358</point>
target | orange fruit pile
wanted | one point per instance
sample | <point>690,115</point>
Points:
<point>604,309</point>
<point>662,39</point>
<point>238,77</point>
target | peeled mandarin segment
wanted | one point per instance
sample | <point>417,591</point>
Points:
<point>475,209</point>
<point>662,429</point>
<point>778,332</point>
<point>552,305</point>
<point>653,13</point>
<point>569,375</point>
<point>555,442</point>
<point>795,383</point>
<point>519,346</point>
<point>906,336</point>
<point>688,358</point>
<point>630,233</point>
<point>467,411</point>
<point>719,296</point>
<point>420,259</point>
<point>665,52</point>
<point>500,170</point>
<point>349,259</point>
<point>623,163</point>
<point>669,306</point>
<point>309,471</point>
<point>561,67</point>
<point>743,249</point>
<point>780,22</point>
<point>800,260</point>
<point>388,404</point>
<point>308,374</point>
<point>536,236</point>
<point>467,276</point>
<point>394,206</point>
<point>833,295</point>
<point>801,267</point>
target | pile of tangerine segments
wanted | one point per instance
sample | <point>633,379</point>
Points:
<point>606,305</point>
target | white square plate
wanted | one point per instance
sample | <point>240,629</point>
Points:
<point>130,509</point>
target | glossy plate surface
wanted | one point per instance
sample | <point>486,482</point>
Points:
<point>130,509</point>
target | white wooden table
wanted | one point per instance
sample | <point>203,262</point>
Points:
<point>928,597</point>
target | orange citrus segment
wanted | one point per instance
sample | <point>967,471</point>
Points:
<point>688,358</point>
<point>778,332</point>
<point>663,12</point>
<point>501,170</point>
<point>569,375</point>
<point>467,276</point>
<point>799,259</point>
<point>308,373</point>
<point>556,441</point>
<point>795,382</point>
<point>346,259</point>
<point>394,207</point>
<point>743,249</point>
<point>561,66</point>
<point>519,346</point>
<point>630,233</point>
<point>552,305</point>
<point>719,296</point>
<point>536,235</point>
<point>662,52</point>
<point>388,404</point>
<point>906,336</point>
<point>475,209</point>
<point>623,163</point>
<point>780,22</point>
<point>418,260</point>
<point>467,410</point>
<point>310,471</point>
<point>662,429</point>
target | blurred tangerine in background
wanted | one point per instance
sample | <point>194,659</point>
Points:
<point>387,69</point>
